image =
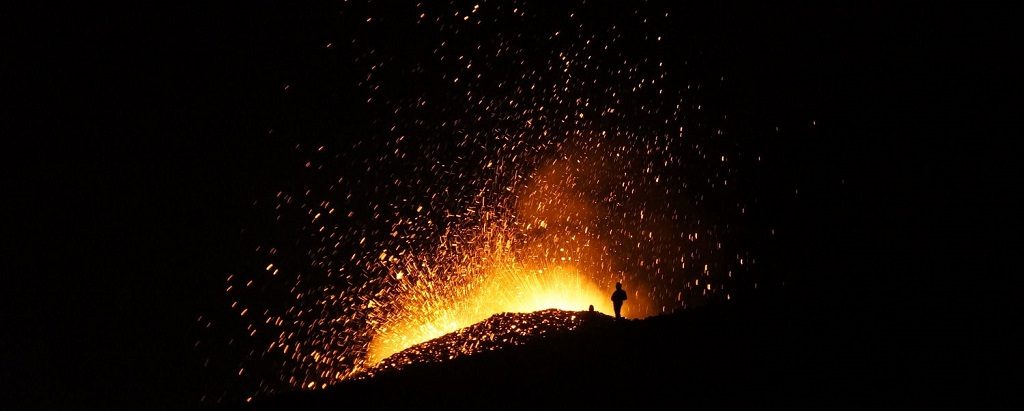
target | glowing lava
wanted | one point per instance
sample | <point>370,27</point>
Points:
<point>536,249</point>
<point>514,289</point>
<point>497,271</point>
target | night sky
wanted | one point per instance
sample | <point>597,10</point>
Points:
<point>140,161</point>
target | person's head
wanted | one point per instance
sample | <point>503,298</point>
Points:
<point>618,286</point>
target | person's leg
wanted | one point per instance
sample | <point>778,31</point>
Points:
<point>618,309</point>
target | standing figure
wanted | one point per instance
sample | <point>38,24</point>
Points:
<point>617,298</point>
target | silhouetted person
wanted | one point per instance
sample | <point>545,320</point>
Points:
<point>617,298</point>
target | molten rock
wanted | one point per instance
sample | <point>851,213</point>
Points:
<point>497,332</point>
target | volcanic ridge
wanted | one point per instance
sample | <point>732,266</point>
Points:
<point>497,332</point>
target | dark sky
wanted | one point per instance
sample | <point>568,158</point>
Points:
<point>138,139</point>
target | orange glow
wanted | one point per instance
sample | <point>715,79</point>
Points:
<point>541,251</point>
<point>509,287</point>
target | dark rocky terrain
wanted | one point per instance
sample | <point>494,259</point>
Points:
<point>751,354</point>
<point>500,331</point>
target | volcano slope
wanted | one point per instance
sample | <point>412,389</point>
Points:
<point>756,353</point>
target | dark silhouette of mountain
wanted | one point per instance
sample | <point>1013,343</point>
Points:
<point>500,331</point>
<point>750,354</point>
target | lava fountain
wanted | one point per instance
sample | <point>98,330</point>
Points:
<point>536,249</point>
<point>506,166</point>
<point>501,271</point>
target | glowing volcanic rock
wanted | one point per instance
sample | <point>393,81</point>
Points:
<point>497,332</point>
<point>508,288</point>
<point>490,269</point>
